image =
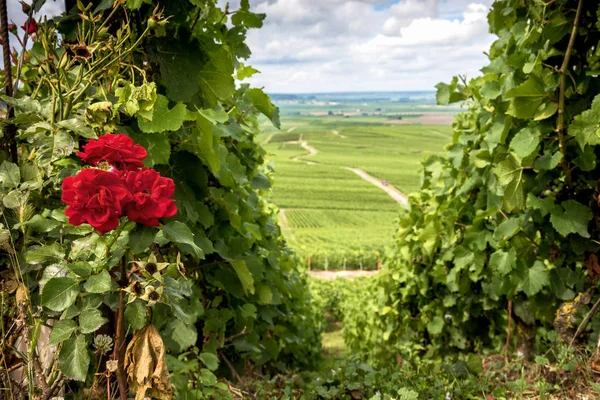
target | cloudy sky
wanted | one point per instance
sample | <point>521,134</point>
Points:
<point>359,45</point>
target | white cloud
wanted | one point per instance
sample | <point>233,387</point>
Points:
<point>353,45</point>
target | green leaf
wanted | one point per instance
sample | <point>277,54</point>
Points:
<point>61,331</point>
<point>525,142</point>
<point>183,334</point>
<point>163,118</point>
<point>535,279</point>
<point>60,293</point>
<point>504,261</point>
<point>182,236</point>
<point>263,103</point>
<point>14,199</point>
<point>157,145</point>
<point>78,127</point>
<point>41,224</point>
<point>99,283</point>
<point>585,127</point>
<point>545,112</point>
<point>571,217</point>
<point>141,238</point>
<point>91,320</point>
<point>10,175</point>
<point>73,359</point>
<point>510,175</point>
<point>135,314</point>
<point>180,67</point>
<point>244,274</point>
<point>244,71</point>
<point>265,294</point>
<point>210,360</point>
<point>526,98</point>
<point>435,326</point>
<point>54,146</point>
<point>491,90</point>
<point>40,254</point>
<point>216,75</point>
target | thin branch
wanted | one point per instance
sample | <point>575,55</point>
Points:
<point>237,335</point>
<point>233,371</point>
<point>509,329</point>
<point>119,351</point>
<point>585,321</point>
<point>9,143</point>
<point>560,127</point>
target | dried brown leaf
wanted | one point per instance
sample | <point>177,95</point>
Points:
<point>146,367</point>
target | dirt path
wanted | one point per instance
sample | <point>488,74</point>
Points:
<point>390,190</point>
<point>311,151</point>
<point>337,133</point>
<point>340,274</point>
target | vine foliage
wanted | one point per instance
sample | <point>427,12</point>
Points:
<point>141,309</point>
<point>503,228</point>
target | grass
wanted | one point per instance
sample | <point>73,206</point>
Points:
<point>334,216</point>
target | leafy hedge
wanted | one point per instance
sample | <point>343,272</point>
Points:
<point>219,283</point>
<point>506,221</point>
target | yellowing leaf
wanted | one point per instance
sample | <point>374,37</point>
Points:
<point>145,364</point>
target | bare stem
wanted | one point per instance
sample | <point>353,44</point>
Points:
<point>560,127</point>
<point>9,143</point>
<point>119,351</point>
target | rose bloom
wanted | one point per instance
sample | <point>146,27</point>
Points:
<point>151,196</point>
<point>95,197</point>
<point>30,26</point>
<point>118,150</point>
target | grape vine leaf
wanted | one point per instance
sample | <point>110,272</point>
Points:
<point>216,80</point>
<point>263,103</point>
<point>525,142</point>
<point>74,359</point>
<point>526,98</point>
<point>157,145</point>
<point>504,261</point>
<point>571,217</point>
<point>535,279</point>
<point>586,126</point>
<point>163,118</point>
<point>182,236</point>
<point>510,175</point>
<point>244,274</point>
<point>59,293</point>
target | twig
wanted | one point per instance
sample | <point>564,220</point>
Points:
<point>237,335</point>
<point>10,143</point>
<point>119,353</point>
<point>560,126</point>
<point>585,321</point>
<point>39,374</point>
<point>508,332</point>
<point>233,371</point>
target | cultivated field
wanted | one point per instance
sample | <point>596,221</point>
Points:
<point>329,212</point>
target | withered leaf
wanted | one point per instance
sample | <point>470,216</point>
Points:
<point>146,367</point>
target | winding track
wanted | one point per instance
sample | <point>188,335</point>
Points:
<point>394,193</point>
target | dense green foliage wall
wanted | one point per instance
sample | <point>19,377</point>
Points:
<point>168,74</point>
<point>508,219</point>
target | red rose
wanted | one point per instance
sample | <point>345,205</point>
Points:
<point>151,196</point>
<point>95,197</point>
<point>118,150</point>
<point>30,26</point>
